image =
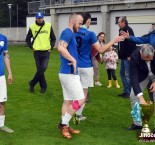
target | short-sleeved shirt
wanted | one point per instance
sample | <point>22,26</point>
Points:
<point>3,48</point>
<point>68,36</point>
<point>85,39</point>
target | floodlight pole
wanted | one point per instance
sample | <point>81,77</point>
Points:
<point>9,5</point>
<point>17,15</point>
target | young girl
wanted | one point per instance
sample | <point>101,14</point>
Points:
<point>111,59</point>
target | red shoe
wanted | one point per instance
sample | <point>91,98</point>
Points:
<point>71,130</point>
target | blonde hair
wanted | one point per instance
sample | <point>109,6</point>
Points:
<point>74,16</point>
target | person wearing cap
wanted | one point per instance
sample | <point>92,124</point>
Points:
<point>43,41</point>
<point>142,71</point>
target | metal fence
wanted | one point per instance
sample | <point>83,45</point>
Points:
<point>72,2</point>
<point>34,6</point>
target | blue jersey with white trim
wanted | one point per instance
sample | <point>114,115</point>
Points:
<point>85,39</point>
<point>68,36</point>
<point>3,48</point>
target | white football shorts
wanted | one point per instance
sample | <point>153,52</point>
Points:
<point>3,89</point>
<point>86,77</point>
<point>71,87</point>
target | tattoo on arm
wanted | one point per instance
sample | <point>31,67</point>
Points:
<point>6,55</point>
<point>63,43</point>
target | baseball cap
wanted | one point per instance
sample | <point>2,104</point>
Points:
<point>39,15</point>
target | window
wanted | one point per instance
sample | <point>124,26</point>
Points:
<point>93,21</point>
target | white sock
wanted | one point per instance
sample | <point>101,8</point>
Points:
<point>79,112</point>
<point>62,117</point>
<point>2,120</point>
<point>66,118</point>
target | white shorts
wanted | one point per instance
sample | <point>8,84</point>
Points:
<point>71,87</point>
<point>86,77</point>
<point>3,89</point>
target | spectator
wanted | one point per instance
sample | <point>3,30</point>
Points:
<point>111,59</point>
<point>125,49</point>
<point>96,58</point>
<point>142,64</point>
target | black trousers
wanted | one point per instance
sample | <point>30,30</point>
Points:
<point>41,59</point>
<point>111,73</point>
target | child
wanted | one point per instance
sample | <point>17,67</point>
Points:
<point>111,59</point>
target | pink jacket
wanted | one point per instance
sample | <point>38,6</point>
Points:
<point>111,59</point>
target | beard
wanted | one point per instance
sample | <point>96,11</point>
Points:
<point>75,29</point>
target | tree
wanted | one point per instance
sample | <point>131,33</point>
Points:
<point>20,5</point>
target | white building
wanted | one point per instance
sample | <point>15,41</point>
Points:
<point>140,14</point>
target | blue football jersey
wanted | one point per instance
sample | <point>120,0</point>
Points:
<point>3,48</point>
<point>85,39</point>
<point>68,36</point>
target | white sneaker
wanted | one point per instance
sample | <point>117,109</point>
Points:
<point>98,83</point>
<point>6,129</point>
<point>81,118</point>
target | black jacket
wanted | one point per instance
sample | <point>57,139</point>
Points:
<point>139,70</point>
<point>126,47</point>
<point>29,36</point>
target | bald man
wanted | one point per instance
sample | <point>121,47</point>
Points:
<point>71,86</point>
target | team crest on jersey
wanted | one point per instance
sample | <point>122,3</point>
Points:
<point>2,43</point>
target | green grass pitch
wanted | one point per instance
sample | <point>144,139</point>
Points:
<point>34,117</point>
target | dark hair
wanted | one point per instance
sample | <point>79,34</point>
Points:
<point>114,47</point>
<point>85,16</point>
<point>101,34</point>
<point>123,19</point>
